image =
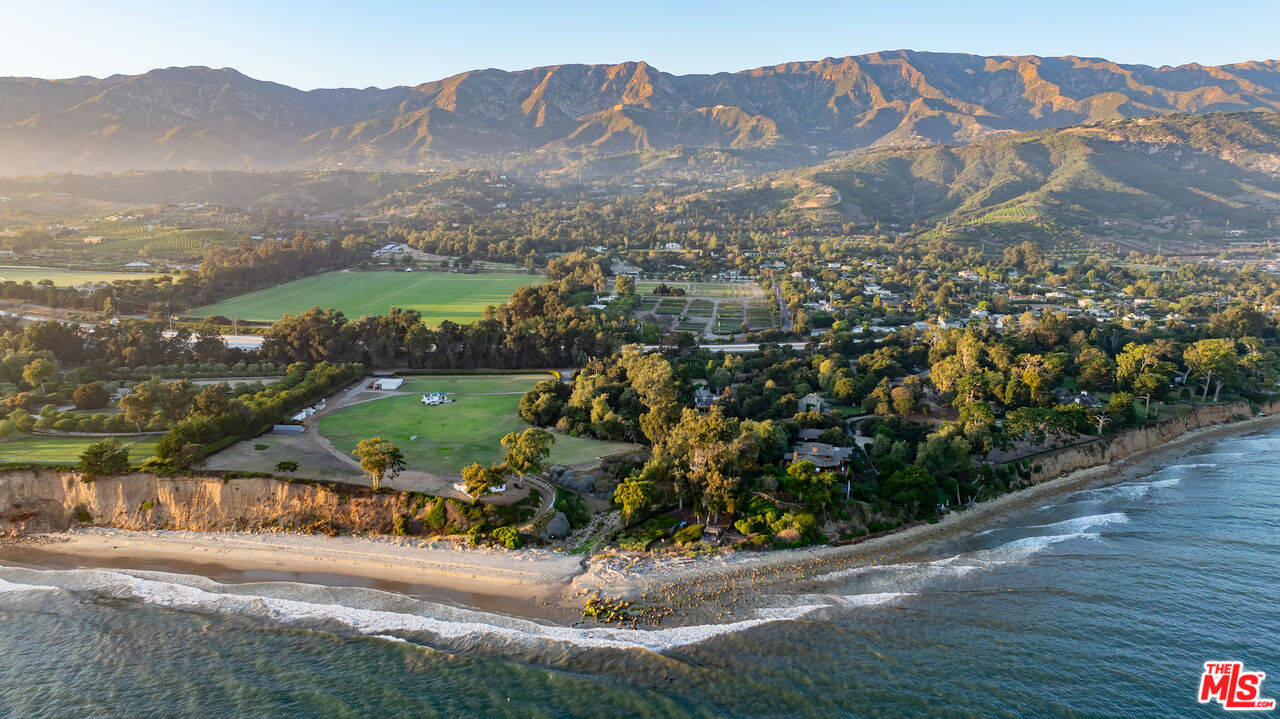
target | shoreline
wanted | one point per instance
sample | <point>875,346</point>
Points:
<point>551,585</point>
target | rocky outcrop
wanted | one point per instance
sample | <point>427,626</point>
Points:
<point>1123,444</point>
<point>558,527</point>
<point>571,480</point>
<point>46,500</point>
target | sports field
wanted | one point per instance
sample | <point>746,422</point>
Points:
<point>65,278</point>
<point>450,436</point>
<point>474,383</point>
<point>438,296</point>
<point>66,450</point>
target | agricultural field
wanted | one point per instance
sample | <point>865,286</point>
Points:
<point>438,296</point>
<point>1010,214</point>
<point>709,290</point>
<point>449,436</point>
<point>66,450</point>
<point>135,239</point>
<point>65,278</point>
<point>670,307</point>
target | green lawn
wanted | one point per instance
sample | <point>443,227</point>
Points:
<point>65,278</point>
<point>484,383</point>
<point>450,436</point>
<point>37,448</point>
<point>438,296</point>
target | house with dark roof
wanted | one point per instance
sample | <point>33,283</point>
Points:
<point>826,457</point>
<point>703,398</point>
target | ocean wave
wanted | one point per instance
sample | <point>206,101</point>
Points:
<point>1079,524</point>
<point>451,625</point>
<point>1031,545</point>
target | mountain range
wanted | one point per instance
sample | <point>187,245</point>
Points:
<point>201,118</point>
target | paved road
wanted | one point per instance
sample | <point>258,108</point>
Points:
<point>782,307</point>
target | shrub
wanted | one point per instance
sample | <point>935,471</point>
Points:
<point>508,537</point>
<point>691,533</point>
<point>90,395</point>
<point>287,466</point>
<point>261,447</point>
<point>399,526</point>
<point>437,518</point>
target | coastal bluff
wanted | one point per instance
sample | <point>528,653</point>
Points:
<point>1113,448</point>
<point>51,500</point>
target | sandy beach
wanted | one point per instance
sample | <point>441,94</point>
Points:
<point>553,584</point>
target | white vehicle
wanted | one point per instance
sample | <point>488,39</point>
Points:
<point>432,399</point>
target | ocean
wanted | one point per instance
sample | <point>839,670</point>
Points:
<point>1104,604</point>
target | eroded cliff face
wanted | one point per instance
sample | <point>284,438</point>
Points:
<point>1117,447</point>
<point>48,500</point>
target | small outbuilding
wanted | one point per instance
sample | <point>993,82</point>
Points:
<point>388,383</point>
<point>288,430</point>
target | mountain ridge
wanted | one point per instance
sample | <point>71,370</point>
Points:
<point>203,118</point>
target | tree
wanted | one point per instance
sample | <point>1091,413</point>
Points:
<point>39,371</point>
<point>1213,359</point>
<point>624,285</point>
<point>138,408</point>
<point>90,395</point>
<point>813,486</point>
<point>913,488</point>
<point>478,480</point>
<point>379,459</point>
<point>103,458</point>
<point>527,451</point>
<point>636,495</point>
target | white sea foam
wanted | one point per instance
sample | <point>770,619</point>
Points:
<point>1079,524</point>
<point>1161,483</point>
<point>13,588</point>
<point>1032,545</point>
<point>449,624</point>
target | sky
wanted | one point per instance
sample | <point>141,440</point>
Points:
<point>361,43</point>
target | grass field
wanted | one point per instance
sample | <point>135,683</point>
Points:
<point>66,450</point>
<point>438,296</point>
<point>450,436</point>
<point>65,278</point>
<point>483,383</point>
<point>710,290</point>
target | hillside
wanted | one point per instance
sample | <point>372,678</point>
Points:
<point>1185,176</point>
<point>199,118</point>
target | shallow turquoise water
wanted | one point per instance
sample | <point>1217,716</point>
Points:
<point>1103,605</point>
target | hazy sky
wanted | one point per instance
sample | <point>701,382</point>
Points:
<point>380,42</point>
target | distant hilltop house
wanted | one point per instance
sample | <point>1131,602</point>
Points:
<point>826,457</point>
<point>434,398</point>
<point>138,265</point>
<point>93,240</point>
<point>812,402</point>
